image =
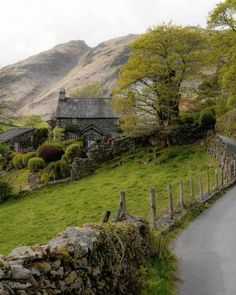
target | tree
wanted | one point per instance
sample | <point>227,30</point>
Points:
<point>7,116</point>
<point>90,90</point>
<point>150,84</point>
<point>32,121</point>
<point>206,94</point>
<point>223,16</point>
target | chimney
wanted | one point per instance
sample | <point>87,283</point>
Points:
<point>62,94</point>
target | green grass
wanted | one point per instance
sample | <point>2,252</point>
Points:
<point>159,278</point>
<point>40,215</point>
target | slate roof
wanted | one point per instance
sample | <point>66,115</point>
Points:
<point>13,133</point>
<point>86,108</point>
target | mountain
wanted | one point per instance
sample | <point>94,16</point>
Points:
<point>32,85</point>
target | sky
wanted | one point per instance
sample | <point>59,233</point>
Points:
<point>28,27</point>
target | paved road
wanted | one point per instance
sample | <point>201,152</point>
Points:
<point>207,249</point>
<point>230,142</point>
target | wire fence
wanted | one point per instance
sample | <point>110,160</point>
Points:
<point>179,195</point>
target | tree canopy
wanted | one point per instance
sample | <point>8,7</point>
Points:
<point>150,84</point>
<point>223,16</point>
<point>89,90</point>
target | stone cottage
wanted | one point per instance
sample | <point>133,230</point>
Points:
<point>91,118</point>
<point>17,138</point>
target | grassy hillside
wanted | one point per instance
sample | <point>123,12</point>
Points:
<point>40,215</point>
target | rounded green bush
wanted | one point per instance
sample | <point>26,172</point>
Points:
<point>17,161</point>
<point>73,151</point>
<point>36,164</point>
<point>50,152</point>
<point>27,157</point>
<point>5,191</point>
<point>59,169</point>
<point>207,118</point>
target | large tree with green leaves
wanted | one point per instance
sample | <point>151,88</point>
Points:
<point>223,20</point>
<point>223,16</point>
<point>150,84</point>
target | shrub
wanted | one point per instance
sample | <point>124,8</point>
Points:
<point>73,151</point>
<point>40,135</point>
<point>207,118</point>
<point>36,164</point>
<point>50,152</point>
<point>5,151</point>
<point>5,191</point>
<point>3,163</point>
<point>59,169</point>
<point>65,171</point>
<point>189,120</point>
<point>27,157</point>
<point>58,134</point>
<point>44,176</point>
<point>17,161</point>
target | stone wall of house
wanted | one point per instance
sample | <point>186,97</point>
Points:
<point>24,141</point>
<point>107,125</point>
<point>95,259</point>
<point>220,151</point>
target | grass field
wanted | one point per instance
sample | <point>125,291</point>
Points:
<point>40,215</point>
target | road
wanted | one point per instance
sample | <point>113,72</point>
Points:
<point>206,249</point>
<point>230,142</point>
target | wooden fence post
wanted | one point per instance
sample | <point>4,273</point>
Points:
<point>230,171</point>
<point>153,207</point>
<point>122,200</point>
<point>169,188</point>
<point>217,179</point>
<point>222,177</point>
<point>200,188</point>
<point>105,216</point>
<point>208,182</point>
<point>191,188</point>
<point>234,169</point>
<point>181,196</point>
<point>227,173</point>
<point>122,206</point>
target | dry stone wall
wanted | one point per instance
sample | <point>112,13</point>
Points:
<point>96,259</point>
<point>220,151</point>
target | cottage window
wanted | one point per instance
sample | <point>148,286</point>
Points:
<point>74,121</point>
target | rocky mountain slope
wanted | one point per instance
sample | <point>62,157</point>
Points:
<point>32,85</point>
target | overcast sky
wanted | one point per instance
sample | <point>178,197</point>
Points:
<point>31,26</point>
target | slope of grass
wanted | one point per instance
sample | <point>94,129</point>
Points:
<point>40,215</point>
